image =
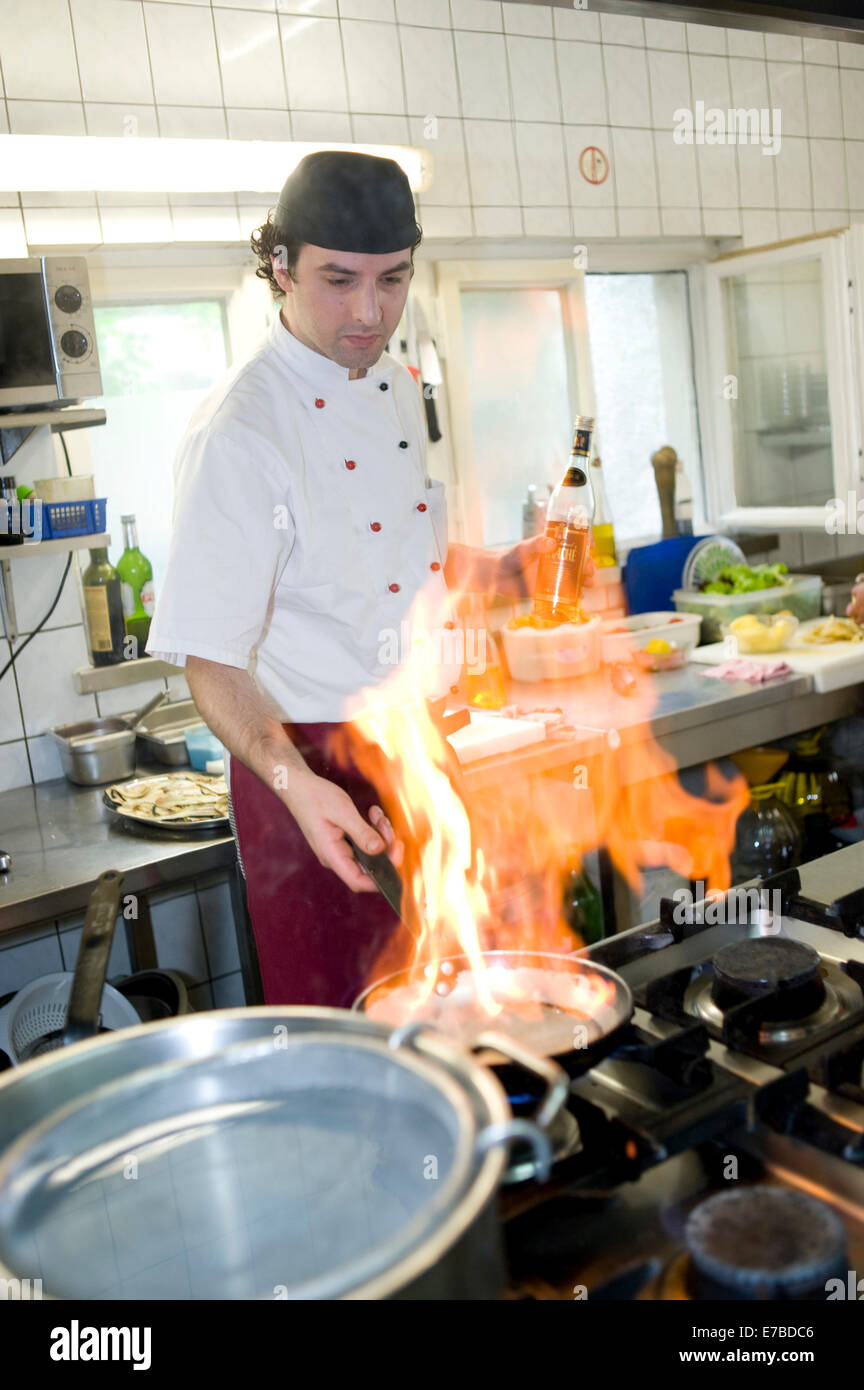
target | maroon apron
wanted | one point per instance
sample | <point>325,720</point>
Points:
<point>317,941</point>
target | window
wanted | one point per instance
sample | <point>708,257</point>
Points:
<point>520,408</point>
<point>639,341</point>
<point>530,345</point>
<point>157,361</point>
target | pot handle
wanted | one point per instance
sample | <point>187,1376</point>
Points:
<point>556,1079</point>
<point>526,1130</point>
<point>91,967</point>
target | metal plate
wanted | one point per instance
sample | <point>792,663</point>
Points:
<point>136,821</point>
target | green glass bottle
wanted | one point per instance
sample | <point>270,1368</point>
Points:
<point>136,578</point>
<point>582,907</point>
<point>104,608</point>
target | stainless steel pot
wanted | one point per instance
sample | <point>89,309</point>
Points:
<point>96,751</point>
<point>257,1153</point>
<point>162,732</point>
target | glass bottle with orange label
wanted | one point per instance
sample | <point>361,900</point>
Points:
<point>569,519</point>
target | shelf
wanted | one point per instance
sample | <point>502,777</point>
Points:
<point>98,541</point>
<point>70,419</point>
<point>797,441</point>
<point>88,679</point>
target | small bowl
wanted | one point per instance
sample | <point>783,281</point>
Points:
<point>760,634</point>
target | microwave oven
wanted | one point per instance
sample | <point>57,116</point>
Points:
<point>48,352</point>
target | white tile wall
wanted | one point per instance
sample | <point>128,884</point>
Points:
<point>373,65</point>
<point>322,70</point>
<point>533,79</point>
<point>195,935</point>
<point>542,171</point>
<point>38,51</point>
<point>111,48</point>
<point>430,72</point>
<point>250,58</point>
<point>173,32</point>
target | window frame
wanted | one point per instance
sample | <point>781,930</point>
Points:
<point>721,508</point>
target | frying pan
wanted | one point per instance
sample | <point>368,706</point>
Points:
<point>561,1006</point>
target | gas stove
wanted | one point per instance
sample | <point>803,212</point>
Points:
<point>718,1152</point>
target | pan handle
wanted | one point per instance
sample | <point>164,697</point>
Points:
<point>556,1079</point>
<point>91,967</point>
<point>526,1130</point>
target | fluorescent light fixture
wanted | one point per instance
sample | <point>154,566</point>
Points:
<point>129,164</point>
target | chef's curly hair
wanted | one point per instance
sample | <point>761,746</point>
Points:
<point>267,240</point>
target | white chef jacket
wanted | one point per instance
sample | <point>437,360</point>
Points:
<point>307,534</point>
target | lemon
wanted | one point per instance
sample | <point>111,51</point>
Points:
<point>657,647</point>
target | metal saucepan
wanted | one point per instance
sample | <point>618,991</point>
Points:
<point>559,1006</point>
<point>275,1152</point>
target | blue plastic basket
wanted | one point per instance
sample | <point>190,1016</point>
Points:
<point>61,520</point>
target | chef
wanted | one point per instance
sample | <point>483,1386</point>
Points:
<point>306,530</point>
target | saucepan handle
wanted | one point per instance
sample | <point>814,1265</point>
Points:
<point>556,1080</point>
<point>532,1132</point>
<point>529,1133</point>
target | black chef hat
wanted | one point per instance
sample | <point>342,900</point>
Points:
<point>348,202</point>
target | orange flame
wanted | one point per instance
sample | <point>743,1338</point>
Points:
<point>484,872</point>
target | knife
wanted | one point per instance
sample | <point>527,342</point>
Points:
<point>383,873</point>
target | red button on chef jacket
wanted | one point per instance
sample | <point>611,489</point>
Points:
<point>421,506</point>
<point>394,588</point>
<point>319,403</point>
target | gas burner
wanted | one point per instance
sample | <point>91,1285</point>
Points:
<point>785,972</point>
<point>759,1243</point>
<point>796,993</point>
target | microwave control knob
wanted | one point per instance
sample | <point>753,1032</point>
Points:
<point>75,343</point>
<point>68,299</point>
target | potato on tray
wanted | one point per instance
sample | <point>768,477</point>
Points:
<point>757,634</point>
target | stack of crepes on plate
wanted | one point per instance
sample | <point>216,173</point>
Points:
<point>173,797</point>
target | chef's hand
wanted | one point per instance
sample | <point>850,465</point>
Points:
<point>517,570</point>
<point>326,814</point>
<point>855,609</point>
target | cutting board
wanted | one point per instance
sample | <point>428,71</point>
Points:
<point>488,734</point>
<point>832,667</point>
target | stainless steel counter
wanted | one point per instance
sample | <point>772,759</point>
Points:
<point>692,718</point>
<point>61,838</point>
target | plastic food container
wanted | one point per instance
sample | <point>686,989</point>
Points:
<point>623,637</point>
<point>755,634</point>
<point>206,753</point>
<point>552,653</point>
<point>76,489</point>
<point>801,594</point>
